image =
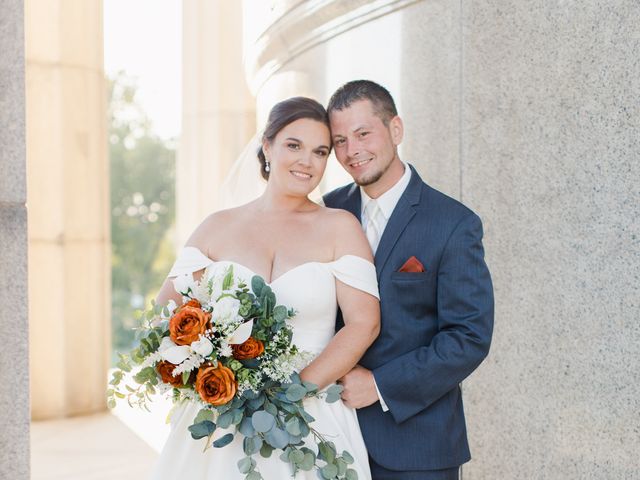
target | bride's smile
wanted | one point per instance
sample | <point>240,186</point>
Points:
<point>297,157</point>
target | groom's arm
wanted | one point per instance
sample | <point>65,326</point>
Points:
<point>413,381</point>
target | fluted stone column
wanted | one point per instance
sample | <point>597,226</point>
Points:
<point>68,202</point>
<point>218,110</point>
<point>14,357</point>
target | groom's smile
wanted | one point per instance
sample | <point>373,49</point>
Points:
<point>364,144</point>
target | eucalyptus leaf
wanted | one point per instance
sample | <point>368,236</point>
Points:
<point>307,418</point>
<point>271,408</point>
<point>284,456</point>
<point>257,284</point>
<point>293,426</point>
<point>342,466</point>
<point>223,441</point>
<point>202,429</point>
<point>329,471</point>
<point>272,297</point>
<point>308,462</point>
<point>237,416</point>
<point>332,398</point>
<point>225,420</point>
<point>351,474</point>
<point>250,394</point>
<point>257,402</point>
<point>263,422</point>
<point>248,445</point>
<point>296,392</point>
<point>204,414</point>
<point>311,387</point>
<point>266,450</point>
<point>347,457</point>
<point>333,393</point>
<point>326,452</point>
<point>246,464</point>
<point>280,313</point>
<point>304,429</point>
<point>296,456</point>
<point>277,437</point>
<point>246,427</point>
<point>253,475</point>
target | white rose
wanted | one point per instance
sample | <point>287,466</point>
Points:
<point>226,309</point>
<point>184,283</point>
<point>203,346</point>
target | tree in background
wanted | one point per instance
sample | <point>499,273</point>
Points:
<point>142,209</point>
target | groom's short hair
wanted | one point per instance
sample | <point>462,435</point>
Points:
<point>356,90</point>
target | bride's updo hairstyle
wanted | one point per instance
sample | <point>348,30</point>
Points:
<point>286,112</point>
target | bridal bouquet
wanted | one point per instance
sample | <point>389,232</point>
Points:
<point>229,348</point>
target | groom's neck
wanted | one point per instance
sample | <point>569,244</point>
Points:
<point>389,178</point>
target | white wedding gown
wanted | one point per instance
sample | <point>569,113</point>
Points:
<point>310,289</point>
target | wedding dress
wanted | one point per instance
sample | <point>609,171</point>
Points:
<point>309,288</point>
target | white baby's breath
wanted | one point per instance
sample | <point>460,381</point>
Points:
<point>191,363</point>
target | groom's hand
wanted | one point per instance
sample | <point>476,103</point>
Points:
<point>359,389</point>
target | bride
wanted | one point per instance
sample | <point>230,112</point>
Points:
<point>315,259</point>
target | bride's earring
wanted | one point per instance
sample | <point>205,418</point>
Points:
<point>267,166</point>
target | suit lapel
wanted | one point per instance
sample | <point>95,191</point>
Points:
<point>400,218</point>
<point>354,201</point>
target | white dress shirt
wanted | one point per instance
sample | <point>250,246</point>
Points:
<point>387,203</point>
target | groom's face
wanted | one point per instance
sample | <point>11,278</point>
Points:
<point>364,145</point>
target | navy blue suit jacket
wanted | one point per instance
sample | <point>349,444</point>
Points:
<point>436,327</point>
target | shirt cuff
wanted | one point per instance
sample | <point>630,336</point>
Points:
<point>382,403</point>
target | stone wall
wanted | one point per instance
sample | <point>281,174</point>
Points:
<point>14,371</point>
<point>529,113</point>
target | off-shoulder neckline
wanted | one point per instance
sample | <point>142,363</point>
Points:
<point>272,281</point>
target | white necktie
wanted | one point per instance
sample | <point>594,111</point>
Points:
<point>372,229</point>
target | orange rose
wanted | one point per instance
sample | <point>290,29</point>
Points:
<point>251,348</point>
<point>188,323</point>
<point>191,303</point>
<point>216,385</point>
<point>165,369</point>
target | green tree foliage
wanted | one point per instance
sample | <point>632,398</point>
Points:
<point>142,208</point>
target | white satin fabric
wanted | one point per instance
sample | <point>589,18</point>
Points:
<point>309,288</point>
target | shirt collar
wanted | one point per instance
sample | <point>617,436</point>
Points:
<point>389,199</point>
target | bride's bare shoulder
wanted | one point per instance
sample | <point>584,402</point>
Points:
<point>339,219</point>
<point>346,233</point>
<point>209,228</point>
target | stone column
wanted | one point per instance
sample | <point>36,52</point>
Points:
<point>550,122</point>
<point>14,356</point>
<point>68,201</point>
<point>218,110</point>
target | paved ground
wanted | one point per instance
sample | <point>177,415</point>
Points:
<point>122,445</point>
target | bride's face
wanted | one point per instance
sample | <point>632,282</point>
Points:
<point>298,156</point>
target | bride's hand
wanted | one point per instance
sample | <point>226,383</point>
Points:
<point>359,389</point>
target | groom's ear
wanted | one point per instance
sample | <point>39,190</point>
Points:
<point>396,128</point>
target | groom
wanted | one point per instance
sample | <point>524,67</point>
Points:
<point>436,296</point>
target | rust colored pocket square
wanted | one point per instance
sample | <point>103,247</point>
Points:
<point>412,265</point>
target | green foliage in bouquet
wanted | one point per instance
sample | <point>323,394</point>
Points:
<point>264,405</point>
